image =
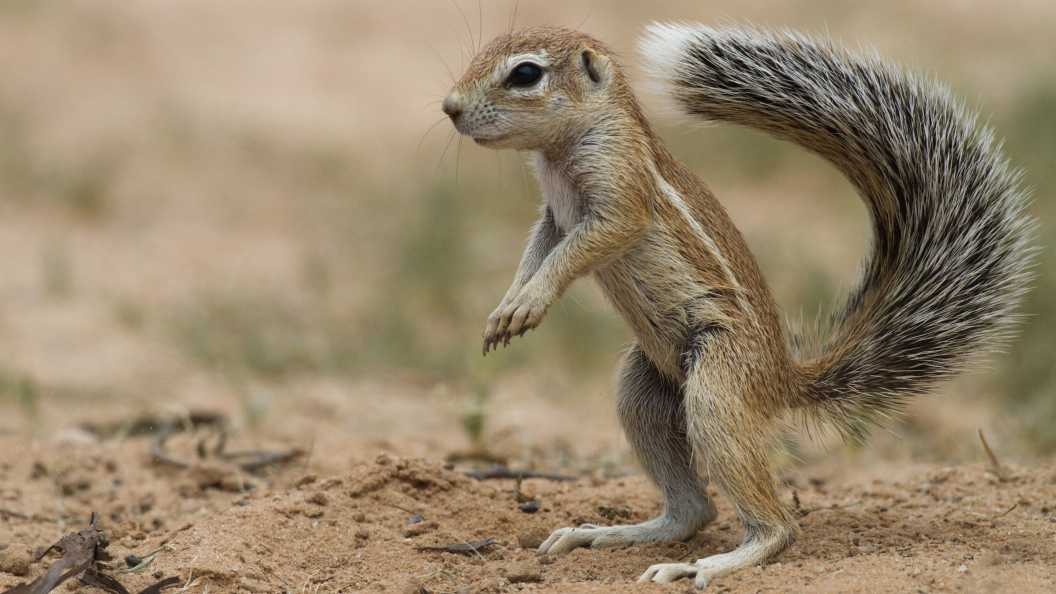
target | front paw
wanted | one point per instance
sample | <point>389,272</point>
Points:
<point>515,317</point>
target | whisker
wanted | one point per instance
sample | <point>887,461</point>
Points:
<point>480,24</point>
<point>465,20</point>
<point>513,17</point>
<point>590,13</point>
<point>443,153</point>
<point>440,57</point>
<point>498,168</point>
<point>427,131</point>
<point>458,157</point>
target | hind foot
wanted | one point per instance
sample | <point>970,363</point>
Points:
<point>754,551</point>
<point>662,529</point>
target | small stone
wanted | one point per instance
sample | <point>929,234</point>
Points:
<point>15,562</point>
<point>419,529</point>
<point>962,569</point>
<point>529,507</point>
<point>319,498</point>
<point>359,517</point>
<point>362,533</point>
<point>76,436</point>
<point>524,572</point>
<point>305,480</point>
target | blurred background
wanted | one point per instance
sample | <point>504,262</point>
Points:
<point>256,207</point>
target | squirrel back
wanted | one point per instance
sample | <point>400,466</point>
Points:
<point>950,256</point>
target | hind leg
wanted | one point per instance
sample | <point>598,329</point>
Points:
<point>653,417</point>
<point>730,435</point>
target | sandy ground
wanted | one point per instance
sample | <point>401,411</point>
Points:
<point>353,514</point>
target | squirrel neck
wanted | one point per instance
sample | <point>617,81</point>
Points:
<point>621,125</point>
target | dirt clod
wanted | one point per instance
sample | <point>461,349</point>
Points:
<point>524,572</point>
<point>15,561</point>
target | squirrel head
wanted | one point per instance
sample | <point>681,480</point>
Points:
<point>534,88</point>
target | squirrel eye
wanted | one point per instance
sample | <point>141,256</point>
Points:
<point>524,74</point>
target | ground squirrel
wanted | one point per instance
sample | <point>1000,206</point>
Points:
<point>714,365</point>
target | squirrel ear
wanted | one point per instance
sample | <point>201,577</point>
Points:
<point>596,66</point>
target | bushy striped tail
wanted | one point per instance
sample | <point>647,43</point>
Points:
<point>951,251</point>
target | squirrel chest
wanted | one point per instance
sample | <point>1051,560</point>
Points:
<point>652,285</point>
<point>561,197</point>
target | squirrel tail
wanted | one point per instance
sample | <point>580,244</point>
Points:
<point>951,255</point>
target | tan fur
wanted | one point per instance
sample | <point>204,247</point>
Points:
<point>660,245</point>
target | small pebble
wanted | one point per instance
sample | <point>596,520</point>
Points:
<point>15,562</point>
<point>524,572</point>
<point>419,528</point>
<point>529,507</point>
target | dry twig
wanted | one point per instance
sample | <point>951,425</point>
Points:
<point>993,465</point>
<point>80,553</point>
<point>251,461</point>
<point>463,548</point>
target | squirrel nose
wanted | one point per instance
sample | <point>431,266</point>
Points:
<point>452,106</point>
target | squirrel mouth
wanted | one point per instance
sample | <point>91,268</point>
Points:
<point>484,140</point>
